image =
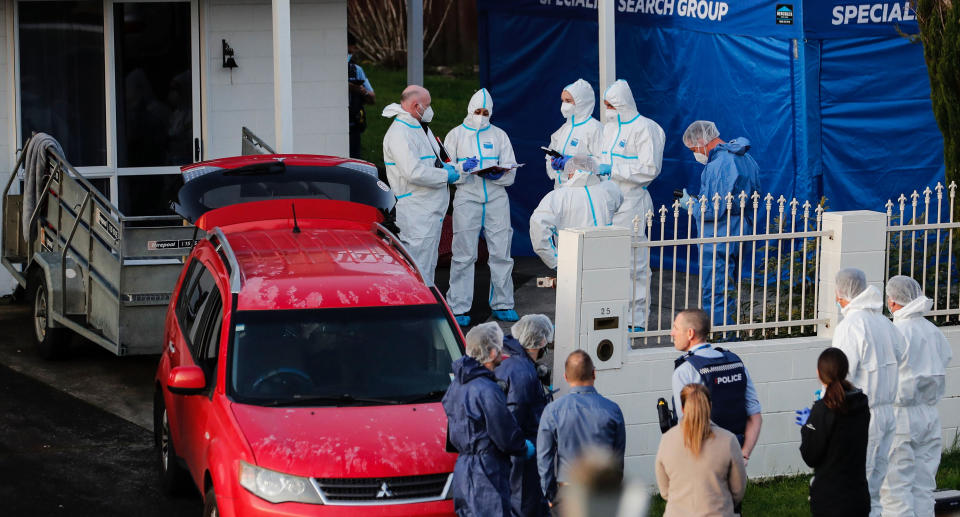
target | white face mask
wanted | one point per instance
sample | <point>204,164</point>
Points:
<point>479,121</point>
<point>427,115</point>
<point>701,158</point>
<point>611,114</point>
<point>566,109</point>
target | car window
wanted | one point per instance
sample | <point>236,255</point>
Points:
<point>336,356</point>
<point>210,340</point>
<point>192,303</point>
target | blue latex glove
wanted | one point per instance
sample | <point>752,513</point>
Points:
<point>494,175</point>
<point>802,416</point>
<point>530,450</point>
<point>470,163</point>
<point>452,174</point>
<point>818,394</point>
<point>604,169</point>
<point>558,163</point>
<point>685,199</point>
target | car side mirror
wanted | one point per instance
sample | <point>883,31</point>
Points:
<point>186,380</point>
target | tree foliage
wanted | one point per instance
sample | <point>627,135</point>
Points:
<point>380,27</point>
<point>940,32</point>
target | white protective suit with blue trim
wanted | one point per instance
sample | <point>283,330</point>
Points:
<point>481,204</point>
<point>582,201</point>
<point>917,444</point>
<point>873,347</point>
<point>633,146</point>
<point>580,134</point>
<point>410,156</point>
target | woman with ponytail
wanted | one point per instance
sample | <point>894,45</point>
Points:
<point>834,442</point>
<point>700,468</point>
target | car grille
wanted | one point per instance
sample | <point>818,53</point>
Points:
<point>381,490</point>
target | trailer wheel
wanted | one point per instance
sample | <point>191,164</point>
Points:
<point>50,341</point>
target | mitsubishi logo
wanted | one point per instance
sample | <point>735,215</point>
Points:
<point>384,491</point>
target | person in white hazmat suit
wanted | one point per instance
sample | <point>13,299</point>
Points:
<point>632,154</point>
<point>582,200</point>
<point>580,134</point>
<point>418,176</point>
<point>872,346</point>
<point>481,203</point>
<point>917,443</point>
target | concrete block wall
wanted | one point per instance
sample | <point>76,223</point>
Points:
<point>784,372</point>
<point>319,47</point>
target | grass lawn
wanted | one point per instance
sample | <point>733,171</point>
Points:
<point>450,96</point>
<point>787,496</point>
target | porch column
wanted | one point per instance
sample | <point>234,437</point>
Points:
<point>282,77</point>
<point>607,45</point>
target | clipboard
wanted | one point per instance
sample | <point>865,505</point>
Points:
<point>496,169</point>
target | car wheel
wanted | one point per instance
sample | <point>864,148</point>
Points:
<point>210,504</point>
<point>174,479</point>
<point>50,341</point>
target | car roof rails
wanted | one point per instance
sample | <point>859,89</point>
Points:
<point>222,246</point>
<point>394,241</point>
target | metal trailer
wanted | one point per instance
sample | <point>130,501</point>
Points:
<point>90,269</point>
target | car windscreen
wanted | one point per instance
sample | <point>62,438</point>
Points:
<point>276,180</point>
<point>343,356</point>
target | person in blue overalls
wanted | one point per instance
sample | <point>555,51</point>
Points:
<point>526,398</point>
<point>727,169</point>
<point>736,407</point>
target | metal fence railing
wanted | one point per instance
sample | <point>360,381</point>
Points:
<point>750,261</point>
<point>921,244</point>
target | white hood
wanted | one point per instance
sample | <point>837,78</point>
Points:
<point>480,100</point>
<point>621,97</point>
<point>870,299</point>
<point>584,99</point>
<point>915,309</point>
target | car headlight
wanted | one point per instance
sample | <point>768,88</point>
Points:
<point>277,487</point>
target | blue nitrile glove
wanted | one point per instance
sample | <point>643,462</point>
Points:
<point>802,416</point>
<point>685,199</point>
<point>452,174</point>
<point>470,163</point>
<point>530,450</point>
<point>495,175</point>
<point>558,163</point>
<point>604,169</point>
<point>818,394</point>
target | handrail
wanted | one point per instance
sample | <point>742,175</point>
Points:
<point>255,140</point>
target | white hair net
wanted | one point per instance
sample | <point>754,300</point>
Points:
<point>533,331</point>
<point>850,283</point>
<point>902,290</point>
<point>580,162</point>
<point>700,133</point>
<point>482,339</point>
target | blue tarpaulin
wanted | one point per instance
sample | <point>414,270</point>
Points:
<point>833,95</point>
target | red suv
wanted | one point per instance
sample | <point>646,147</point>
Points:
<point>305,357</point>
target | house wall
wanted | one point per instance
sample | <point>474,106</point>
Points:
<point>244,97</point>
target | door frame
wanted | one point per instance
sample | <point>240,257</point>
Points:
<point>110,170</point>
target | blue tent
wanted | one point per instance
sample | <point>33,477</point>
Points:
<point>833,95</point>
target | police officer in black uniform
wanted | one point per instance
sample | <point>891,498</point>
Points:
<point>736,407</point>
